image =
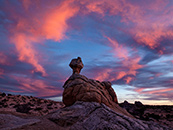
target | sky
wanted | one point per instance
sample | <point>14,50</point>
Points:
<point>127,42</point>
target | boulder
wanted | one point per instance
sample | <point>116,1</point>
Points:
<point>80,88</point>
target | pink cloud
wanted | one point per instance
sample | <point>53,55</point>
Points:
<point>104,76</point>
<point>158,92</point>
<point>1,72</point>
<point>36,86</point>
<point>127,61</point>
<point>55,24</point>
<point>50,24</point>
<point>151,21</point>
<point>4,59</point>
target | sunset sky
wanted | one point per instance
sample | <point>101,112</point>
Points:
<point>128,42</point>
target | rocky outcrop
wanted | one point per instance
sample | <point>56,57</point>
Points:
<point>27,104</point>
<point>95,116</point>
<point>8,122</point>
<point>80,88</point>
<point>161,114</point>
<point>76,65</point>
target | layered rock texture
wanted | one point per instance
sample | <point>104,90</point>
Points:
<point>80,88</point>
<point>8,121</point>
<point>96,116</point>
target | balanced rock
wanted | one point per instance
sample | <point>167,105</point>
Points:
<point>80,88</point>
<point>76,65</point>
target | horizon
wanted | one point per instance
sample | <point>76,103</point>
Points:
<point>128,43</point>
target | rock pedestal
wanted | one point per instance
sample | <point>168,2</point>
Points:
<point>80,88</point>
<point>76,65</point>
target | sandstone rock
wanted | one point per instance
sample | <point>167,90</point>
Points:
<point>95,116</point>
<point>80,88</point>
<point>8,122</point>
<point>76,65</point>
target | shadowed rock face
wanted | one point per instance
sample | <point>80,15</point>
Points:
<point>162,114</point>
<point>9,122</point>
<point>95,116</point>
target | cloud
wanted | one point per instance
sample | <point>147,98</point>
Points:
<point>4,59</point>
<point>157,93</point>
<point>26,52</point>
<point>1,72</point>
<point>131,63</point>
<point>50,23</point>
<point>55,24</point>
<point>146,23</point>
<point>38,87</point>
<point>130,42</point>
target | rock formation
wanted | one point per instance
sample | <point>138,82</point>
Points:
<point>9,122</point>
<point>27,104</point>
<point>96,116</point>
<point>161,114</point>
<point>80,88</point>
<point>76,65</point>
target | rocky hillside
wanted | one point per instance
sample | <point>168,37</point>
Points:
<point>161,114</point>
<point>27,104</point>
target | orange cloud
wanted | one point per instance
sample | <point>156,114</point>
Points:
<point>139,89</point>
<point>40,87</point>
<point>118,49</point>
<point>128,79</point>
<point>103,76</point>
<point>1,72</point>
<point>55,24</point>
<point>4,59</point>
<point>50,24</point>
<point>158,92</point>
<point>26,51</point>
<point>151,21</point>
<point>129,62</point>
<point>121,75</point>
